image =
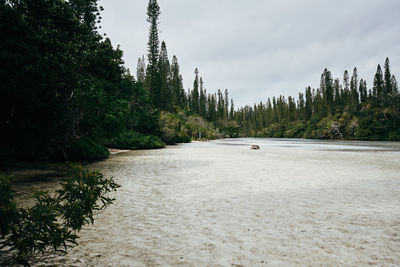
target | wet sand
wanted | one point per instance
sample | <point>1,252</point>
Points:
<point>291,203</point>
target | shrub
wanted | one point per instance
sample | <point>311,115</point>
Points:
<point>52,224</point>
<point>86,149</point>
<point>135,140</point>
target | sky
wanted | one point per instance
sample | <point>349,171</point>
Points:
<point>262,48</point>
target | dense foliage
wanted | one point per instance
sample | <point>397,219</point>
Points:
<point>335,110</point>
<point>61,80</point>
<point>51,225</point>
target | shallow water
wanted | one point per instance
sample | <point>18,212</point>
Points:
<point>293,202</point>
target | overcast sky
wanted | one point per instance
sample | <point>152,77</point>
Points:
<point>262,48</point>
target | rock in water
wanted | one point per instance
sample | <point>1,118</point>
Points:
<point>255,147</point>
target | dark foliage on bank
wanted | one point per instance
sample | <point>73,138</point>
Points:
<point>52,224</point>
<point>62,81</point>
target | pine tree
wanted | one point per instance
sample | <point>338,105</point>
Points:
<point>395,86</point>
<point>165,78</point>
<point>141,70</point>
<point>220,105</point>
<point>152,73</point>
<point>354,98</point>
<point>195,93</point>
<point>346,91</point>
<point>184,98</point>
<point>301,107</point>
<point>309,103</point>
<point>226,106</point>
<point>292,109</point>
<point>327,91</point>
<point>363,91</point>
<point>379,86</point>
<point>269,111</point>
<point>202,99</point>
<point>388,89</point>
<point>337,97</point>
<point>232,111</point>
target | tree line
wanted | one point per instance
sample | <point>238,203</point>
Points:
<point>336,109</point>
<point>66,93</point>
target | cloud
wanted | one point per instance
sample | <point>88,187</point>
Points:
<point>263,48</point>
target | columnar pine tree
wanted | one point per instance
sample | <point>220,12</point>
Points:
<point>176,84</point>
<point>337,98</point>
<point>328,92</point>
<point>363,91</point>
<point>388,89</point>
<point>379,86</point>
<point>226,106</point>
<point>346,89</point>
<point>141,70</point>
<point>165,78</point>
<point>202,99</point>
<point>354,98</point>
<point>301,107</point>
<point>195,93</point>
<point>152,73</point>
<point>395,86</point>
<point>309,103</point>
<point>232,111</point>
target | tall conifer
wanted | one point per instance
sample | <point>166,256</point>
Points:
<point>152,73</point>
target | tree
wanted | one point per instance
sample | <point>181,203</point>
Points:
<point>354,97</point>
<point>226,106</point>
<point>52,224</point>
<point>327,91</point>
<point>165,78</point>
<point>379,86</point>
<point>363,91</point>
<point>337,97</point>
<point>232,111</point>
<point>394,85</point>
<point>178,93</point>
<point>309,103</point>
<point>202,100</point>
<point>152,72</point>
<point>141,70</point>
<point>388,89</point>
<point>195,93</point>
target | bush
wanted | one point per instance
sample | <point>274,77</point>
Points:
<point>135,140</point>
<point>229,128</point>
<point>52,224</point>
<point>295,129</point>
<point>173,128</point>
<point>86,149</point>
<point>196,124</point>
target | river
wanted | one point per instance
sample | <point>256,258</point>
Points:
<point>218,203</point>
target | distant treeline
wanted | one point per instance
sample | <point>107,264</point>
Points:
<point>66,94</point>
<point>346,109</point>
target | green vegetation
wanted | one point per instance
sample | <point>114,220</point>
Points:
<point>65,90</point>
<point>66,95</point>
<point>52,224</point>
<point>135,140</point>
<point>86,149</point>
<point>62,81</point>
<point>334,111</point>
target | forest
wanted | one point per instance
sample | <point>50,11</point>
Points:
<point>67,95</point>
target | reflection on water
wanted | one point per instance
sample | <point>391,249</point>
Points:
<point>295,202</point>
